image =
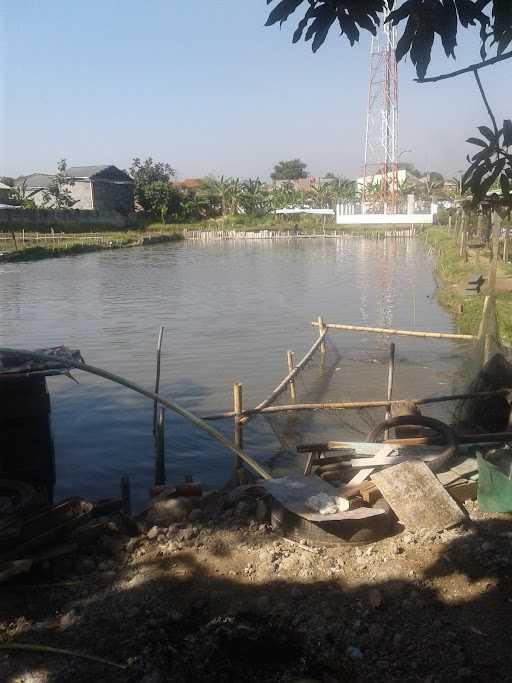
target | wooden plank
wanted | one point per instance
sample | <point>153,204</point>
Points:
<point>418,499</point>
<point>360,477</point>
<point>466,467</point>
<point>379,461</point>
<point>293,491</point>
<point>447,478</point>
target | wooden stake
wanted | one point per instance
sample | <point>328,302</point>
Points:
<point>126,495</point>
<point>321,328</point>
<point>291,366</point>
<point>160,475</point>
<point>238,437</point>
<point>157,378</point>
<point>284,383</point>
<point>391,376</point>
<point>483,320</point>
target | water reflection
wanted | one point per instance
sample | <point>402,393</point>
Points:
<point>231,311</point>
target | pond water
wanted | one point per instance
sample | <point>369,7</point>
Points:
<point>230,311</point>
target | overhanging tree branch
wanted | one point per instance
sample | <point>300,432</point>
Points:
<point>486,102</point>
<point>467,69</point>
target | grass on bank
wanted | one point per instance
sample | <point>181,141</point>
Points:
<point>70,244</point>
<point>452,275</point>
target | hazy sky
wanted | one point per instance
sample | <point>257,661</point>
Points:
<point>204,86</point>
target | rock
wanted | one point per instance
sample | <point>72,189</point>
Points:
<point>133,543</point>
<point>153,677</point>
<point>195,515</point>
<point>87,565</point>
<point>153,533</point>
<point>262,513</point>
<point>68,619</point>
<point>374,598</point>
<point>167,512</point>
<point>244,508</point>
<point>376,631</point>
<point>354,652</point>
<point>464,672</point>
<point>188,534</point>
<point>112,546</point>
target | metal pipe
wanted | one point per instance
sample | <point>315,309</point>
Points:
<point>198,422</point>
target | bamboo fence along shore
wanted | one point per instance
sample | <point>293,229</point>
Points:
<point>206,235</point>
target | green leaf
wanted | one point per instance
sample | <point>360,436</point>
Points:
<point>477,141</point>
<point>487,133</point>
<point>507,133</point>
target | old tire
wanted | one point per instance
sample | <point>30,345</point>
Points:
<point>420,421</point>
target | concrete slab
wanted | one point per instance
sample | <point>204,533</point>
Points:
<point>418,499</point>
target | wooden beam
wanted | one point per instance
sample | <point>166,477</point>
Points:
<point>402,333</point>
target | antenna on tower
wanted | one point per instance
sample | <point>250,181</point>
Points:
<point>380,181</point>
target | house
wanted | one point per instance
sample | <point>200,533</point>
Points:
<point>403,176</point>
<point>97,188</point>
<point>5,194</point>
<point>194,184</point>
<point>102,188</point>
<point>298,184</point>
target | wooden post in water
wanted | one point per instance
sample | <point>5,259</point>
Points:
<point>160,476</point>
<point>321,328</point>
<point>238,437</point>
<point>291,366</point>
<point>157,378</point>
<point>126,496</point>
<point>391,377</point>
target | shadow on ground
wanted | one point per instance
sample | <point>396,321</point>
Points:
<point>172,619</point>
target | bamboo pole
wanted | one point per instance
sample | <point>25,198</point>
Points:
<point>238,438</point>
<point>483,320</point>
<point>356,405</point>
<point>391,377</point>
<point>126,496</point>
<point>160,449</point>
<point>291,365</point>
<point>282,385</point>
<point>197,421</point>
<point>321,328</point>
<point>402,333</point>
<point>157,377</point>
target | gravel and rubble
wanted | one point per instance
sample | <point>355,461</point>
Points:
<point>209,591</point>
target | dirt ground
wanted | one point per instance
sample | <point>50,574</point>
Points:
<point>221,596</point>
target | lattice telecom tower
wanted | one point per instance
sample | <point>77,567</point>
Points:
<point>380,156</point>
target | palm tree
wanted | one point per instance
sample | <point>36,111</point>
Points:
<point>255,198</point>
<point>322,196</point>
<point>344,190</point>
<point>283,196</point>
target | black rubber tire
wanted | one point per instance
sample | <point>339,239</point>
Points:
<point>420,421</point>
